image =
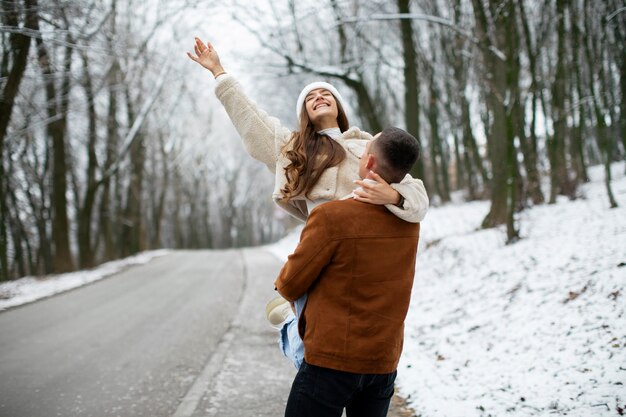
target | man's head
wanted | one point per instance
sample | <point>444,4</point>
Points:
<point>391,154</point>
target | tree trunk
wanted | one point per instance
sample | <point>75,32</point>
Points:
<point>366,107</point>
<point>515,118</point>
<point>159,199</point>
<point>133,239</point>
<point>606,146</point>
<point>472,184</point>
<point>497,136</point>
<point>86,253</point>
<point>472,161</point>
<point>559,178</point>
<point>177,222</point>
<point>473,156</point>
<point>106,213</point>
<point>578,154</point>
<point>56,130</point>
<point>411,82</point>
<point>604,141</point>
<point>370,112</point>
<point>622,109</point>
<point>18,55</point>
<point>619,31</point>
<point>458,164</point>
<point>529,145</point>
<point>341,33</point>
<point>45,264</point>
<point>440,165</point>
<point>21,246</point>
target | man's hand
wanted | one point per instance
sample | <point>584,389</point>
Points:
<point>207,57</point>
<point>379,193</point>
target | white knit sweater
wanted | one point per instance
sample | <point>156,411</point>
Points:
<point>264,137</point>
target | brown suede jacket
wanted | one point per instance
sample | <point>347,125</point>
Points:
<point>357,263</point>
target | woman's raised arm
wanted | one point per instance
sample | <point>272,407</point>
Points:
<point>408,199</point>
<point>263,136</point>
<point>207,56</point>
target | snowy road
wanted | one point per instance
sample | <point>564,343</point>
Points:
<point>160,339</point>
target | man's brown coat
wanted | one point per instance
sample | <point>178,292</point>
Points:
<point>356,261</point>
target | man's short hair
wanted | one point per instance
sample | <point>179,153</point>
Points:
<point>396,151</point>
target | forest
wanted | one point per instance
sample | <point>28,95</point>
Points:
<point>112,143</point>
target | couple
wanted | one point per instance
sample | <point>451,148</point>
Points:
<point>351,275</point>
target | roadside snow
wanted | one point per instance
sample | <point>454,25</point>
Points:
<point>537,328</point>
<point>285,247</point>
<point>28,289</point>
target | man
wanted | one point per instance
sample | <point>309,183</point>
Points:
<point>356,261</point>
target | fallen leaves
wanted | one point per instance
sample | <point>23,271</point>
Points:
<point>575,294</point>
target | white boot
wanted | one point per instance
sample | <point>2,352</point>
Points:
<point>277,311</point>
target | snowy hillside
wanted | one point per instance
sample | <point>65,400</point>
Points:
<point>534,328</point>
<point>537,328</point>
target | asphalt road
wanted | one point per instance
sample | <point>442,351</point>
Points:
<point>182,336</point>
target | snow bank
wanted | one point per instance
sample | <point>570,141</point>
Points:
<point>28,289</point>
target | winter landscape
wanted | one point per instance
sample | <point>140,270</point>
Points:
<point>139,236</point>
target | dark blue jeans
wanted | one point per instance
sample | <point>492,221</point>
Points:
<point>323,392</point>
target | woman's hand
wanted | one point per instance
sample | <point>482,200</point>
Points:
<point>207,57</point>
<point>376,193</point>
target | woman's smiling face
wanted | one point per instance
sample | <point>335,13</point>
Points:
<point>321,107</point>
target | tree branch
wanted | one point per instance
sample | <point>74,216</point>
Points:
<point>138,122</point>
<point>432,19</point>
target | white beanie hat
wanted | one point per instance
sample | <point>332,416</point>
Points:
<point>314,86</point>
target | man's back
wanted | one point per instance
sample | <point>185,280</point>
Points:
<point>360,260</point>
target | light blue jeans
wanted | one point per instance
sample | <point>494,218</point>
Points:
<point>289,341</point>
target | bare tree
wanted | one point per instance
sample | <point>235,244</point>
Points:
<point>495,27</point>
<point>560,183</point>
<point>12,69</point>
<point>605,142</point>
<point>411,81</point>
<point>529,144</point>
<point>57,104</point>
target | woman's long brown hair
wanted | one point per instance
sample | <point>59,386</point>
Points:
<point>310,155</point>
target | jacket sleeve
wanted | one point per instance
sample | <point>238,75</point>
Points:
<point>415,200</point>
<point>312,254</point>
<point>262,135</point>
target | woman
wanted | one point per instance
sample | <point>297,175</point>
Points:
<point>319,162</point>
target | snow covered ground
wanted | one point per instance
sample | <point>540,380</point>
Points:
<point>534,328</point>
<point>537,328</point>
